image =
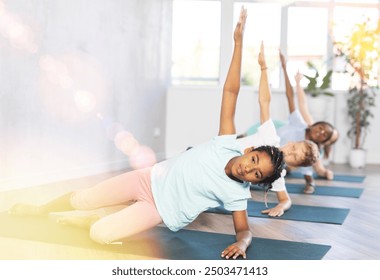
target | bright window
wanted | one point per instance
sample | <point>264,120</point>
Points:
<point>196,42</point>
<point>306,42</point>
<point>358,1</point>
<point>263,24</point>
<point>304,30</point>
<point>307,31</point>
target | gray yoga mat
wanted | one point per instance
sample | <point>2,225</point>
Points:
<point>159,242</point>
<point>337,177</point>
<point>321,190</point>
<point>303,213</point>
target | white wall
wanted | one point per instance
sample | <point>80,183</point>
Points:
<point>193,117</point>
<point>115,50</point>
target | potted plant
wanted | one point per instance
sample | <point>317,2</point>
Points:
<point>318,89</point>
<point>313,88</point>
<point>361,52</point>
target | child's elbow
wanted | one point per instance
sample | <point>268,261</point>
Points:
<point>232,90</point>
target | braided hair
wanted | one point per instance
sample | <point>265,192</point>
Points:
<point>277,159</point>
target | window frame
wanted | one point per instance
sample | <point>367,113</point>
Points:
<point>227,26</point>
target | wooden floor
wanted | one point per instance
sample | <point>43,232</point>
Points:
<point>357,239</point>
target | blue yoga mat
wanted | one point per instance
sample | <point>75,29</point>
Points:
<point>326,190</point>
<point>158,242</point>
<point>303,213</point>
<point>337,177</point>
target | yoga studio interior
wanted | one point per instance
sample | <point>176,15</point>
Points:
<point>91,89</point>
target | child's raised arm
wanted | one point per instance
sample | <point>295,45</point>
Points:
<point>288,87</point>
<point>232,84</point>
<point>302,102</point>
<point>264,90</point>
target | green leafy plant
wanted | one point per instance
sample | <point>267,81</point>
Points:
<point>313,88</point>
<point>361,51</point>
<point>359,103</point>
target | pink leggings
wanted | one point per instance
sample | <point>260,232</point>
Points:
<point>140,216</point>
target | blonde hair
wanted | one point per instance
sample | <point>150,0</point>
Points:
<point>311,154</point>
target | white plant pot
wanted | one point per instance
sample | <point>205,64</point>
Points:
<point>357,158</point>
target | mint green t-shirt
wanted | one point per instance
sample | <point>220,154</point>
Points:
<point>194,181</point>
<point>253,129</point>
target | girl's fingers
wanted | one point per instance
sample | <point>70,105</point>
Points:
<point>243,16</point>
<point>229,253</point>
<point>239,253</point>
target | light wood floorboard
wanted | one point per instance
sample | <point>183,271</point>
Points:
<point>357,239</point>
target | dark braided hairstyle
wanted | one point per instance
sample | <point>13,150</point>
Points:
<point>277,159</point>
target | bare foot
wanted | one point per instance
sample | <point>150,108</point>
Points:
<point>78,221</point>
<point>21,209</point>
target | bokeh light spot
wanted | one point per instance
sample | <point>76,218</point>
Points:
<point>84,100</point>
<point>143,157</point>
<point>126,143</point>
<point>113,129</point>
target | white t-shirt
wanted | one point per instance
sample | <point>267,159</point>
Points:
<point>265,135</point>
<point>294,130</point>
<point>195,181</point>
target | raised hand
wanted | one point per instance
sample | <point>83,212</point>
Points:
<point>231,86</point>
<point>240,26</point>
<point>261,58</point>
<point>298,77</point>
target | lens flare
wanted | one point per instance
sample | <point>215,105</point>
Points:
<point>56,71</point>
<point>142,157</point>
<point>129,146</point>
<point>71,84</point>
<point>113,129</point>
<point>84,100</point>
<point>106,121</point>
<point>126,143</point>
<point>47,63</point>
<point>19,35</point>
